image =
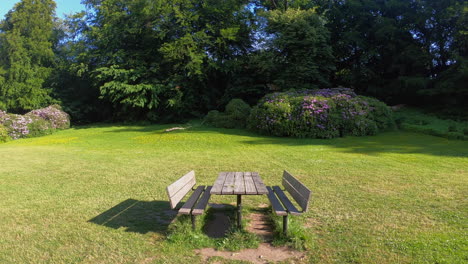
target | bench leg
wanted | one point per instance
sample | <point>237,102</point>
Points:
<point>239,211</point>
<point>285,224</point>
<point>192,217</point>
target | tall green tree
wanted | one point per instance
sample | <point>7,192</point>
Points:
<point>26,55</point>
<point>161,57</point>
<point>298,49</point>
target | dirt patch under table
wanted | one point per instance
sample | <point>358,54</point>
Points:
<point>259,224</point>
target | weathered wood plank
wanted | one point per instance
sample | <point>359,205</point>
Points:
<point>259,185</point>
<point>218,185</point>
<point>239,183</point>
<point>203,202</point>
<point>181,182</point>
<point>228,187</point>
<point>297,190</point>
<point>278,209</point>
<point>187,207</point>
<point>249,184</point>
<point>285,200</point>
<point>176,195</point>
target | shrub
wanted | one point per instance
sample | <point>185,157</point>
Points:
<point>465,131</point>
<point>238,109</point>
<point>236,115</point>
<point>16,125</point>
<point>452,128</point>
<point>35,123</point>
<point>40,127</point>
<point>325,113</point>
<point>4,137</point>
<point>54,113</point>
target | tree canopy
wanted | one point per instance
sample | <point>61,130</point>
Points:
<point>160,60</point>
<point>26,55</point>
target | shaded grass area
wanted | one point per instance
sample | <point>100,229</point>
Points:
<point>96,194</point>
<point>417,121</point>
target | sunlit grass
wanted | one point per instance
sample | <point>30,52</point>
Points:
<point>97,194</point>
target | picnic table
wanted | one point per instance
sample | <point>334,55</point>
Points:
<point>239,183</point>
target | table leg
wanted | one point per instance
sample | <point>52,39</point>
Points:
<point>239,211</point>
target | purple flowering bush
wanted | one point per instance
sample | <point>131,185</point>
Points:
<point>54,114</point>
<point>16,125</point>
<point>35,123</point>
<point>325,113</point>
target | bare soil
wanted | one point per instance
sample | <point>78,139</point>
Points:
<point>259,224</point>
<point>265,253</point>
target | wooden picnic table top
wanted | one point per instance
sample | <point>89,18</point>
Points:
<point>239,183</point>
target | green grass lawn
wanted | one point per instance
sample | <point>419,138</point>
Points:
<point>97,194</point>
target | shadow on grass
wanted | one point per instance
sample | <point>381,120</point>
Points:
<point>137,216</point>
<point>388,142</point>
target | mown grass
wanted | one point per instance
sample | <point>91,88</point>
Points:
<point>97,194</point>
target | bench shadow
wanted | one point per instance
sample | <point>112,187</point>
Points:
<point>219,220</point>
<point>137,216</point>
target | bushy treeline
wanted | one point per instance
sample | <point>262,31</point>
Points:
<point>162,60</point>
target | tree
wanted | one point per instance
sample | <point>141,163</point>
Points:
<point>299,50</point>
<point>26,55</point>
<point>162,57</point>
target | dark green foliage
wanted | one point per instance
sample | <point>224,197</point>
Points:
<point>452,128</point>
<point>238,109</point>
<point>170,60</point>
<point>323,113</point>
<point>298,53</point>
<point>236,115</point>
<point>164,59</point>
<point>26,55</point>
<point>465,131</point>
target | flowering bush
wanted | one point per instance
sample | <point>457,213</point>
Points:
<point>16,125</point>
<point>35,123</point>
<point>58,118</point>
<point>325,113</point>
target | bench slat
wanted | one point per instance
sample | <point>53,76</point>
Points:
<point>181,182</point>
<point>297,190</point>
<point>187,207</point>
<point>177,190</point>
<point>275,203</point>
<point>201,205</point>
<point>285,200</point>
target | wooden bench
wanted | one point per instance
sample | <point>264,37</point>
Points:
<point>281,204</point>
<point>196,203</point>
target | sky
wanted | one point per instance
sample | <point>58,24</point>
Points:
<point>63,7</point>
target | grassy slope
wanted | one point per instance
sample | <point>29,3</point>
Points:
<point>394,198</point>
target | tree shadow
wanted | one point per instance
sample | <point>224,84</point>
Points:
<point>137,216</point>
<point>387,142</point>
